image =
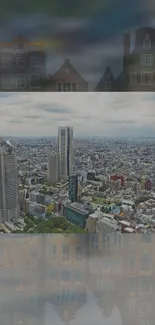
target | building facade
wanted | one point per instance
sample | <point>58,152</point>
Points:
<point>53,168</point>
<point>66,151</point>
<point>73,188</point>
<point>66,79</point>
<point>138,73</point>
<point>22,66</point>
<point>9,205</point>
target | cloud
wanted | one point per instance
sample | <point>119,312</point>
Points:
<point>120,122</point>
<point>31,117</point>
<point>15,121</point>
<point>91,114</point>
<point>53,109</point>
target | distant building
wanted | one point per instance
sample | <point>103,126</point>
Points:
<point>40,198</point>
<point>22,66</point>
<point>92,221</point>
<point>36,209</point>
<point>115,178</point>
<point>66,151</point>
<point>138,65</point>
<point>91,175</point>
<point>53,168</point>
<point>9,198</point>
<point>22,197</point>
<point>129,203</point>
<point>32,196</point>
<point>73,188</point>
<point>66,79</point>
<point>106,225</point>
<point>77,214</point>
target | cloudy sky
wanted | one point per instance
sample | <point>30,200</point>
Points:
<point>91,114</point>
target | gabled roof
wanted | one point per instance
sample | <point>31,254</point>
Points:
<point>67,68</point>
<point>107,76</point>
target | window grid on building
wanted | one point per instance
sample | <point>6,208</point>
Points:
<point>34,80</point>
<point>65,253</point>
<point>20,60</point>
<point>147,78</point>
<point>7,81</point>
<point>107,85</point>
<point>21,81</point>
<point>147,60</point>
<point>79,253</point>
<point>66,86</point>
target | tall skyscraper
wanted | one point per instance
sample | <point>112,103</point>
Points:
<point>73,187</point>
<point>66,151</point>
<point>9,206</point>
<point>53,168</point>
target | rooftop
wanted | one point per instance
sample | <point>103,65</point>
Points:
<point>83,208</point>
<point>111,223</point>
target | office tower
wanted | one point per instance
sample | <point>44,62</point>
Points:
<point>65,149</point>
<point>9,206</point>
<point>73,187</point>
<point>53,168</point>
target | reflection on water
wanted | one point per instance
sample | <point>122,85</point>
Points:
<point>77,279</point>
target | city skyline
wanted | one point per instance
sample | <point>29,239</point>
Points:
<point>91,114</point>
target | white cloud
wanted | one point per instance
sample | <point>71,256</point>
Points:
<point>96,114</point>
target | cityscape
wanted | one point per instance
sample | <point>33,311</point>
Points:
<point>77,208</point>
<point>68,183</point>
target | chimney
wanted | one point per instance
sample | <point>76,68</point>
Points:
<point>126,44</point>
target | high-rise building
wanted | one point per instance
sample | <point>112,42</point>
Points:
<point>73,187</point>
<point>9,205</point>
<point>66,151</point>
<point>53,168</point>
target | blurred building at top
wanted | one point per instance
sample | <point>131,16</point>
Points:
<point>22,66</point>
<point>138,65</point>
<point>66,79</point>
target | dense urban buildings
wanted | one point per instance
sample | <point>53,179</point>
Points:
<point>112,188</point>
<point>53,168</point>
<point>9,208</point>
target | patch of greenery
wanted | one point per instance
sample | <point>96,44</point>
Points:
<point>53,225</point>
